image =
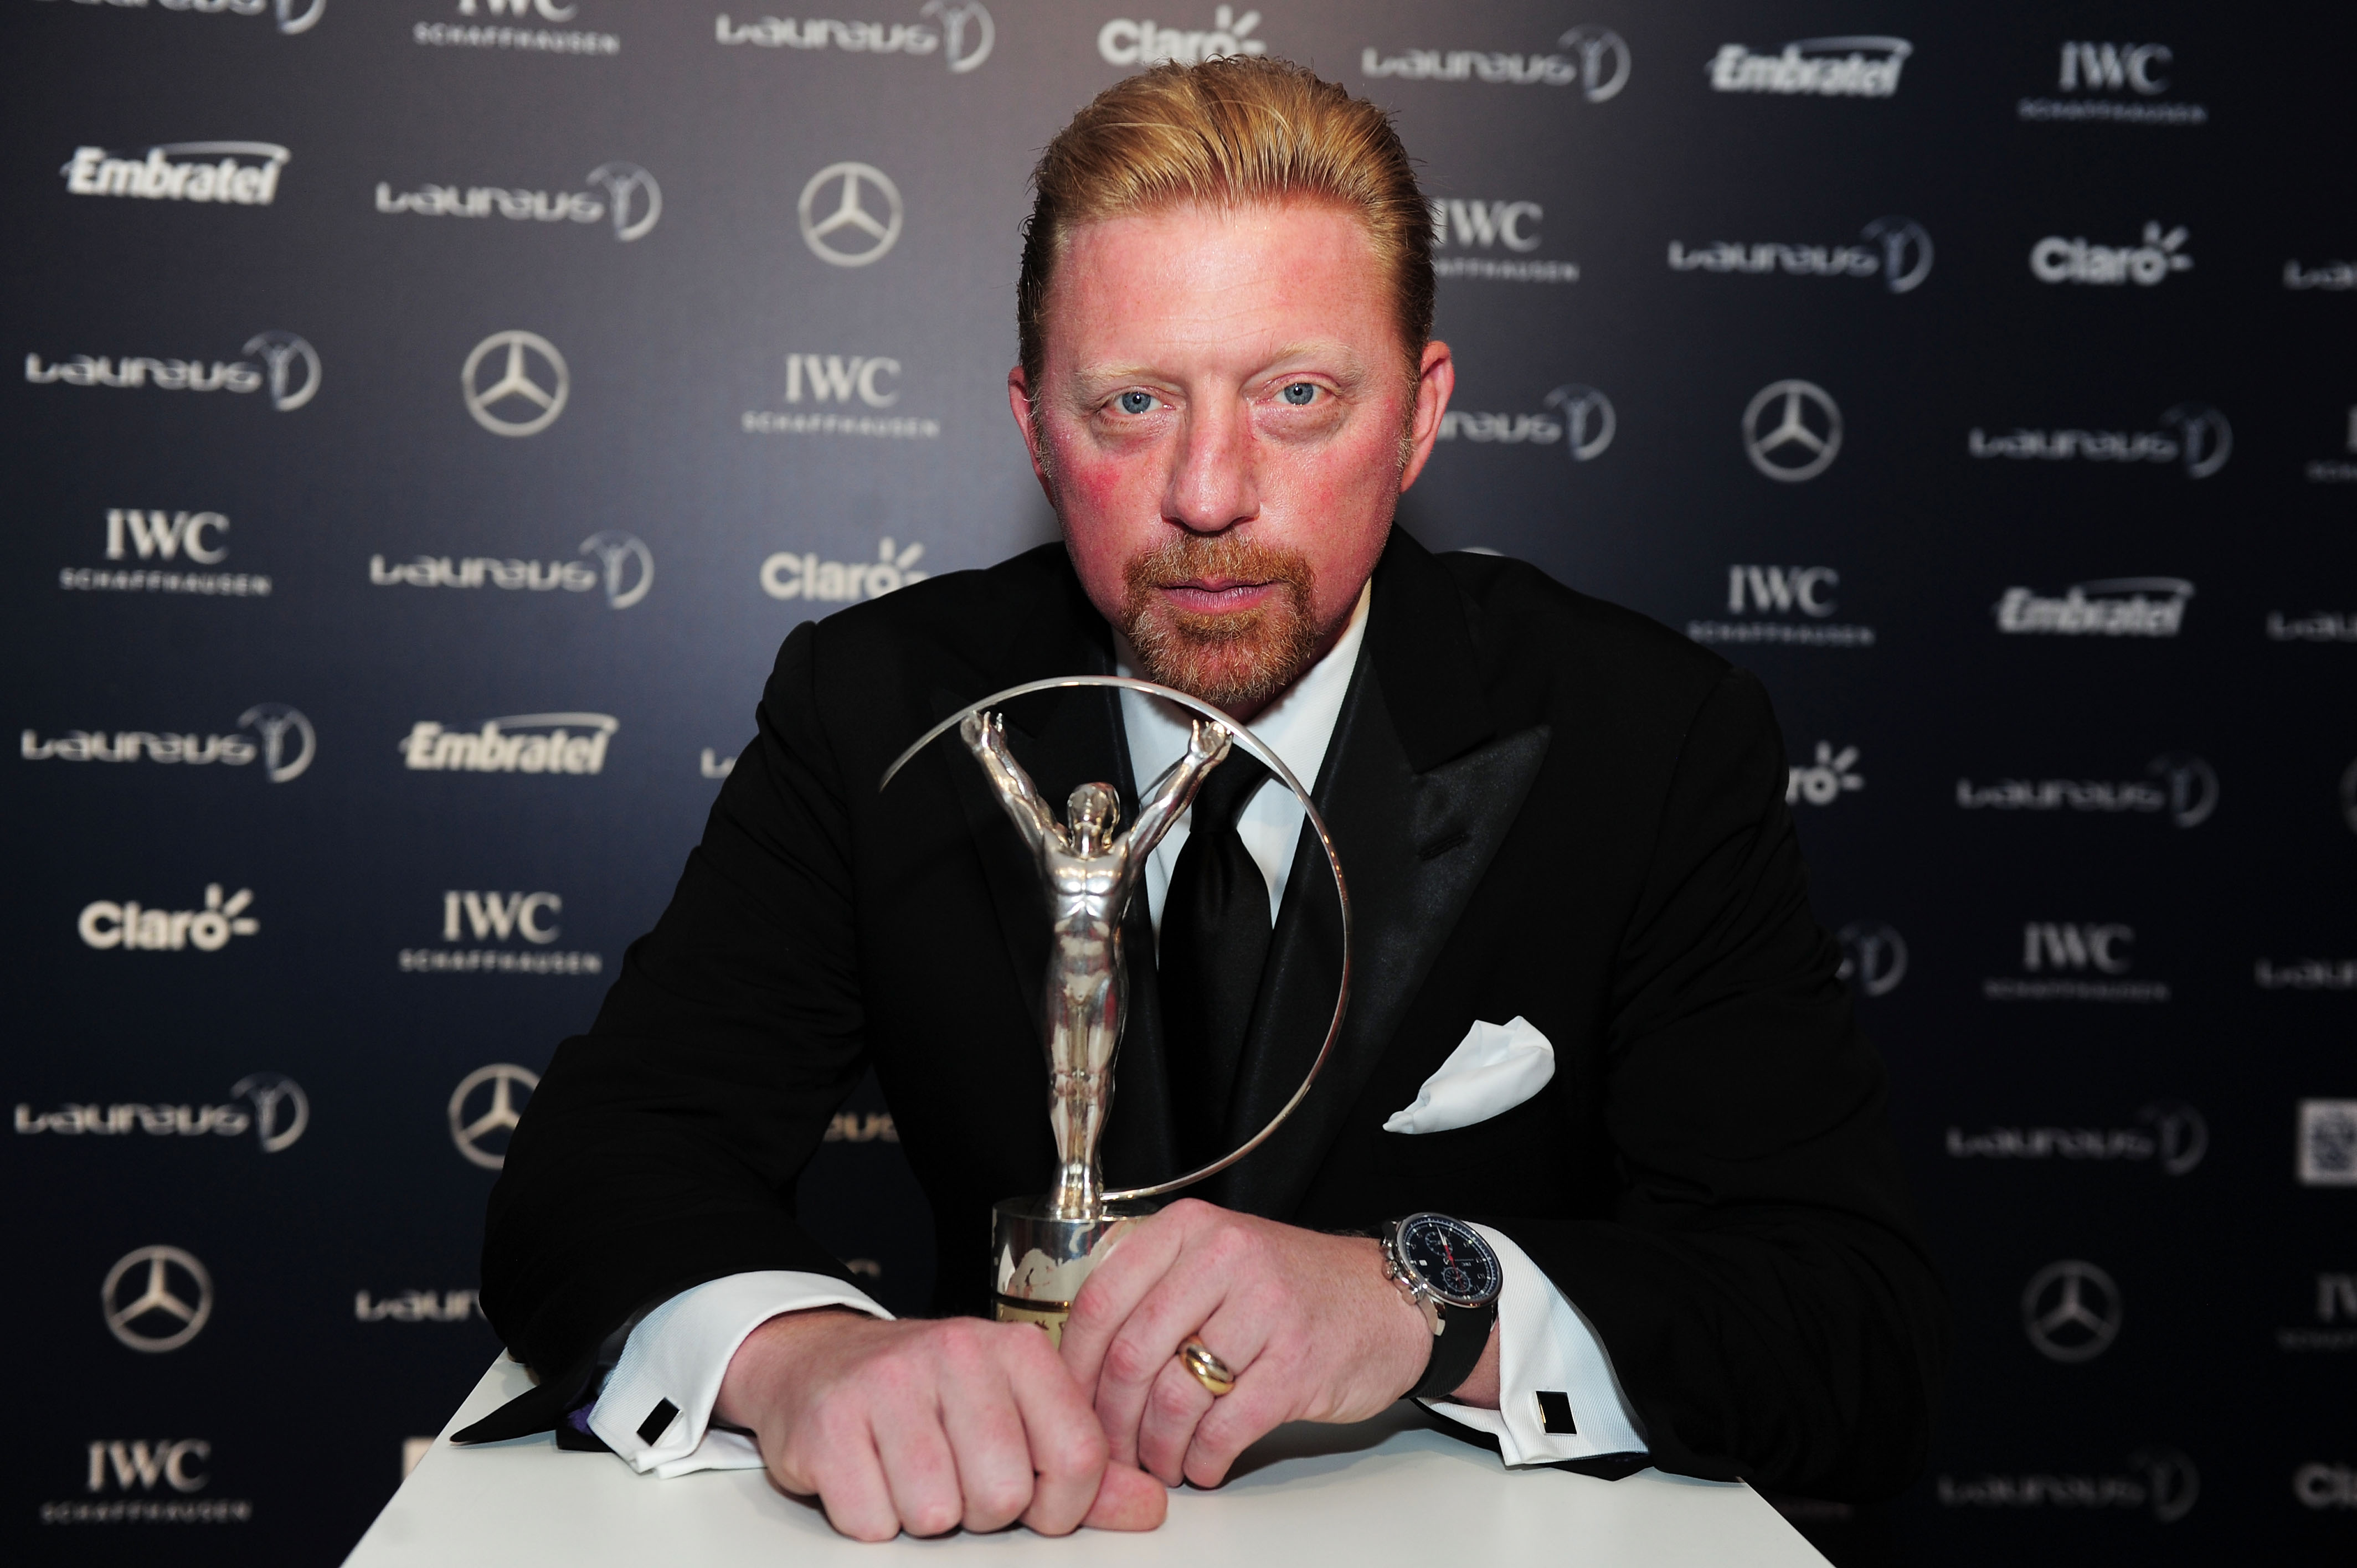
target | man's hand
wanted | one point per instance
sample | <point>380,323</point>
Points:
<point>1311,1326</point>
<point>926,1425</point>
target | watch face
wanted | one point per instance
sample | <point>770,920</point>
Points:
<point>1453,1259</point>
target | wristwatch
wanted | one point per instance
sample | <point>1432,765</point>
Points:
<point>1451,1276</point>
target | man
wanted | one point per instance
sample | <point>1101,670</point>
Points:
<point>1596,1041</point>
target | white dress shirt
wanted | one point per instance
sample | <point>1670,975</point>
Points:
<point>678,1354</point>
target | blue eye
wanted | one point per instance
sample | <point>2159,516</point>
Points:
<point>1300,393</point>
<point>1136,401</point>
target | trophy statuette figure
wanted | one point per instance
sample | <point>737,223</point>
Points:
<point>1044,1247</point>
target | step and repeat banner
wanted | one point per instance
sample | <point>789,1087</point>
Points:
<point>432,413</point>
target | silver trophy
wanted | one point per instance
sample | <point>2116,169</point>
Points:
<point>1046,1246</point>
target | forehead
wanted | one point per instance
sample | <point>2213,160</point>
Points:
<point>1217,283</point>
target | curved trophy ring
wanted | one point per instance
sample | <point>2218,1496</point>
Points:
<point>1255,746</point>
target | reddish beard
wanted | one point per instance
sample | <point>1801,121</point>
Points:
<point>1234,660</point>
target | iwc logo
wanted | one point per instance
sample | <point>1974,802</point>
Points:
<point>156,1299</point>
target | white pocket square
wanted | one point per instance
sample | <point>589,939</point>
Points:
<point>1494,1068</point>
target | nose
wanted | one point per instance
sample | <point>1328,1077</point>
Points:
<point>1212,486</point>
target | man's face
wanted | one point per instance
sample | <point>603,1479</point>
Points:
<point>1225,420</point>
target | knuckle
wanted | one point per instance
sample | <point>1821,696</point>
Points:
<point>934,1515</point>
<point>1127,1361</point>
<point>1001,1499</point>
<point>1079,1449</point>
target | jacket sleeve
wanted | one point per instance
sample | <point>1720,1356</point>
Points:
<point>1767,1303</point>
<point>662,1148</point>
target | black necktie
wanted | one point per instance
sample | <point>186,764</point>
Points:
<point>1215,932</point>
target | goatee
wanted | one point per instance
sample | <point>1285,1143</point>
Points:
<point>1236,659</point>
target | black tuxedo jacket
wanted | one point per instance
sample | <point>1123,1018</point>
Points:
<point>1544,806</point>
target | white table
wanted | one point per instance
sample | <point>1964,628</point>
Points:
<point>1388,1491</point>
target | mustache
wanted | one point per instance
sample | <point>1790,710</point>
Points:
<point>1231,659</point>
<point>1188,557</point>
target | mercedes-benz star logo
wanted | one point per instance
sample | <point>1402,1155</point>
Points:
<point>480,1136</point>
<point>1874,957</point>
<point>1795,448</point>
<point>147,1298</point>
<point>633,199</point>
<point>2071,1310</point>
<point>1588,422</point>
<point>516,384</point>
<point>855,181</point>
<point>283,355</point>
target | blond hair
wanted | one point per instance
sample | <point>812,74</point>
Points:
<point>1223,134</point>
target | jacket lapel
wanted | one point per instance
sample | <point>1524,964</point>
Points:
<point>1418,794</point>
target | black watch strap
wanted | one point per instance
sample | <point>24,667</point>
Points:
<point>1456,1351</point>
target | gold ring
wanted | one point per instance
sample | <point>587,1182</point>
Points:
<point>1216,1376</point>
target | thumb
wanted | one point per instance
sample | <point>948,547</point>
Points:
<point>1127,1499</point>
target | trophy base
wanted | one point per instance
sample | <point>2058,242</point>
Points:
<point>1041,1259</point>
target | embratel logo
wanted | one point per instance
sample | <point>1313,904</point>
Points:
<point>485,1108</point>
<point>963,37</point>
<point>2195,435</point>
<point>276,1113</point>
<point>850,214</point>
<point>1828,778</point>
<point>2115,607</point>
<point>2119,84</point>
<point>235,174</point>
<point>1776,594</point>
<point>471,914</point>
<point>1896,249</point>
<point>157,1298</point>
<point>1462,224</point>
<point>1792,431</point>
<point>417,1306</point>
<point>292,16</point>
<point>2075,960</point>
<point>2327,1142</point>
<point>521,34</point>
<point>1146,42</point>
<point>1874,957</point>
<point>129,928</point>
<point>2160,1481</point>
<point>2180,787</point>
<point>282,740</point>
<point>624,195</point>
<point>787,575</point>
<point>2057,260</point>
<point>514,383</point>
<point>290,369</point>
<point>525,742</point>
<point>624,567</point>
<point>2072,1311</point>
<point>1862,67</point>
<point>1594,60</point>
<point>2173,1139</point>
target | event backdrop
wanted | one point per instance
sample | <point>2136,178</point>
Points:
<point>435,412</point>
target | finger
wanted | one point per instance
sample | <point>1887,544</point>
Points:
<point>1265,1398</point>
<point>920,1470</point>
<point>1180,1302</point>
<point>985,1431</point>
<point>1113,1287</point>
<point>1067,1445</point>
<point>1174,1404</point>
<point>848,1477</point>
<point>1128,1499</point>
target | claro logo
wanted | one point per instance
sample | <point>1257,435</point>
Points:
<point>132,928</point>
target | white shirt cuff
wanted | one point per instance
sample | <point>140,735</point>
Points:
<point>676,1357</point>
<point>1545,1345</point>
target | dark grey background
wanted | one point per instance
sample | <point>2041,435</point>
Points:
<point>672,337</point>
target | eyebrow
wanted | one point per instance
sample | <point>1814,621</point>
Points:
<point>1348,366</point>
